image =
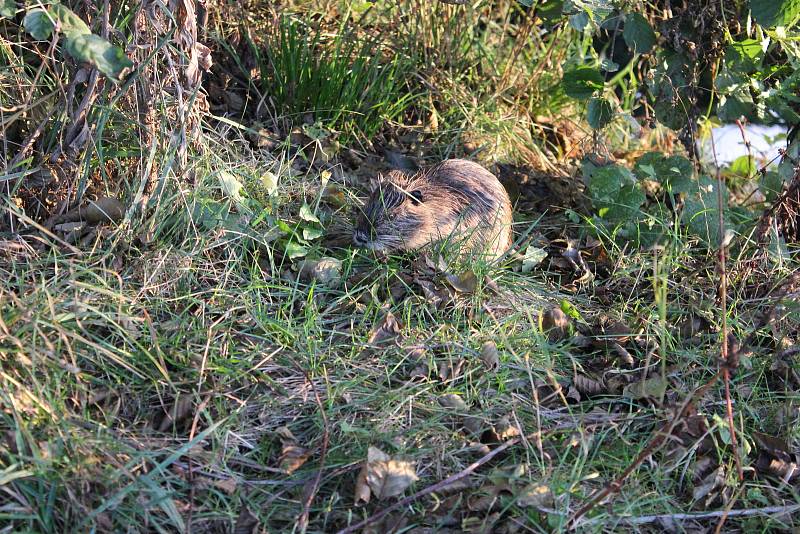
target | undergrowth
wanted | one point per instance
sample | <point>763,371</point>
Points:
<point>218,359</point>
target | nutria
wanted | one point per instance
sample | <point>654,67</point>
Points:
<point>457,200</point>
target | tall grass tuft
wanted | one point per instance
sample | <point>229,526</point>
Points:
<point>350,81</point>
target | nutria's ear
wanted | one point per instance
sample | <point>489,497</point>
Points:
<point>416,197</point>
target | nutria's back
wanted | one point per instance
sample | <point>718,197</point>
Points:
<point>457,200</point>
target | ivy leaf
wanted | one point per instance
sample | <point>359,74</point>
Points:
<point>673,172</point>
<point>37,23</point>
<point>581,82</point>
<point>606,182</point>
<point>701,211</point>
<point>638,34</point>
<point>69,23</point>
<point>7,8</point>
<point>93,49</point>
<point>744,56</point>
<point>307,215</point>
<point>770,13</point>
<point>599,112</point>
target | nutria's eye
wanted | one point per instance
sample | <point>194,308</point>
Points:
<point>416,197</point>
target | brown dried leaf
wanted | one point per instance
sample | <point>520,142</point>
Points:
<point>387,329</point>
<point>385,477</point>
<point>454,402</point>
<point>652,388</point>
<point>181,409</point>
<point>535,495</point>
<point>450,370</point>
<point>555,324</point>
<point>325,271</point>
<point>466,282</point>
<point>292,457</point>
<point>589,386</point>
<point>246,523</point>
<point>489,355</point>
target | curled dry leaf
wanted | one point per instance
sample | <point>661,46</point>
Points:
<point>450,369</point>
<point>466,282</point>
<point>387,329</point>
<point>555,324</point>
<point>453,401</point>
<point>383,476</point>
<point>181,409</point>
<point>292,457</point>
<point>652,388</point>
<point>246,523</point>
<point>489,355</point>
<point>536,496</point>
<point>326,271</point>
<point>589,386</point>
<point>775,458</point>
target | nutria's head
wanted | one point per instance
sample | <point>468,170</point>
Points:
<point>396,216</point>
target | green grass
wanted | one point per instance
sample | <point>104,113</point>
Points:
<point>148,379</point>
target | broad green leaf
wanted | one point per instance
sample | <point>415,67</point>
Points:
<point>37,23</point>
<point>638,34</point>
<point>93,49</point>
<point>735,106</point>
<point>295,250</point>
<point>533,257</point>
<point>744,166</point>
<point>668,86</point>
<point>269,181</point>
<point>231,186</point>
<point>7,8</point>
<point>744,56</point>
<point>599,112</point>
<point>570,309</point>
<point>624,205</point>
<point>581,82</point>
<point>674,172</point>
<point>701,211</point>
<point>770,13</point>
<point>771,185</point>
<point>311,233</point>
<point>307,214</point>
<point>70,24</point>
<point>606,182</point>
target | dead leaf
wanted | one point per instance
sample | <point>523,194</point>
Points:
<point>775,457</point>
<point>652,388</point>
<point>489,355</point>
<point>326,271</point>
<point>713,481</point>
<point>555,323</point>
<point>387,329</point>
<point>292,457</point>
<point>466,282</point>
<point>535,495</point>
<point>450,370</point>
<point>589,386</point>
<point>228,485</point>
<point>181,409</point>
<point>246,523</point>
<point>383,476</point>
<point>454,402</point>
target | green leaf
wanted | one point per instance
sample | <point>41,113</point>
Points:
<point>744,56</point>
<point>668,85</point>
<point>533,257</point>
<point>295,250</point>
<point>70,24</point>
<point>581,82</point>
<point>570,309</point>
<point>599,112</point>
<point>270,182</point>
<point>37,23</point>
<point>770,13</point>
<point>231,186</point>
<point>93,49</point>
<point>735,106</point>
<point>673,172</point>
<point>606,182</point>
<point>744,166</point>
<point>771,185</point>
<point>310,233</point>
<point>307,215</point>
<point>701,211</point>
<point>638,34</point>
<point>7,8</point>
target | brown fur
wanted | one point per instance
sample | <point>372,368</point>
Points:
<point>457,200</point>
